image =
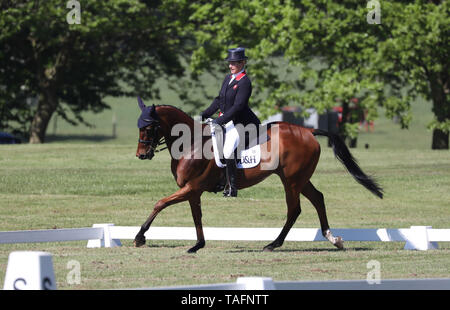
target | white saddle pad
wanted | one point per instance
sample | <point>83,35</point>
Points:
<point>248,158</point>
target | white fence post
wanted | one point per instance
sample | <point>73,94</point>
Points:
<point>256,283</point>
<point>106,241</point>
<point>417,239</point>
<point>108,235</point>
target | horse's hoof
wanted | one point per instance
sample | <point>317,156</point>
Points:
<point>339,243</point>
<point>196,247</point>
<point>336,241</point>
<point>138,243</point>
<point>268,248</point>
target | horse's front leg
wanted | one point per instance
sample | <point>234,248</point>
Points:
<point>182,194</point>
<point>197,216</point>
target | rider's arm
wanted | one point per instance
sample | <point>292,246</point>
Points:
<point>243,93</point>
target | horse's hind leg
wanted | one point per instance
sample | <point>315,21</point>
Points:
<point>294,210</point>
<point>316,198</point>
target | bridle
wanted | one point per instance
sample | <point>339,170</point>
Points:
<point>154,142</point>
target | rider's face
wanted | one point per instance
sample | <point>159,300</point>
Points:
<point>235,66</point>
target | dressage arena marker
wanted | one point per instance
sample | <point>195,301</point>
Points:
<point>30,270</point>
<point>107,235</point>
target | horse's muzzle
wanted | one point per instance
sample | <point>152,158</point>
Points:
<point>148,155</point>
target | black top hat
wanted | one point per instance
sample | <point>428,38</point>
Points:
<point>236,54</point>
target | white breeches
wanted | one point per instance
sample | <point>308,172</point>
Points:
<point>231,140</point>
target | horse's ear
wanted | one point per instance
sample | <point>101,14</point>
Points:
<point>153,112</point>
<point>141,103</point>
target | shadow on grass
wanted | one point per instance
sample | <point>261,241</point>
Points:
<point>158,245</point>
<point>239,249</point>
<point>167,246</point>
<point>87,138</point>
<point>317,250</point>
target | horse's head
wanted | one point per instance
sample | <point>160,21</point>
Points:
<point>149,133</point>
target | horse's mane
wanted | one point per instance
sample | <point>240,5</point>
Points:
<point>176,108</point>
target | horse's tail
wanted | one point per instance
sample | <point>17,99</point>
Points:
<point>343,154</point>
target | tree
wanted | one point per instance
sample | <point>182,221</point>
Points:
<point>415,52</point>
<point>385,54</point>
<point>118,48</point>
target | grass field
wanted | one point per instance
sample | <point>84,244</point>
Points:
<point>84,176</point>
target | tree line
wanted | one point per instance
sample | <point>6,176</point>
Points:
<point>59,56</point>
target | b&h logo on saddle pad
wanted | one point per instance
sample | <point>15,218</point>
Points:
<point>248,158</point>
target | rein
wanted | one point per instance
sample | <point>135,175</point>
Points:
<point>155,145</point>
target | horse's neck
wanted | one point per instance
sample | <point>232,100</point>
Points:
<point>171,117</point>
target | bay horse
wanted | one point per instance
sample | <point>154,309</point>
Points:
<point>298,155</point>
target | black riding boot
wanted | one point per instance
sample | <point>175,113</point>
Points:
<point>231,189</point>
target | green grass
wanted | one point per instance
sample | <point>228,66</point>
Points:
<point>84,176</point>
<point>167,264</point>
<point>77,185</point>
